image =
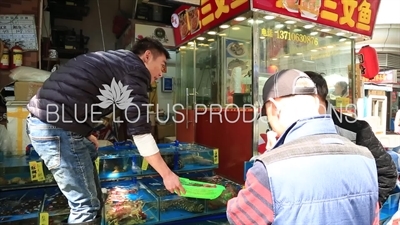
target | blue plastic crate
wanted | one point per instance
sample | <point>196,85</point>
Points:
<point>390,207</point>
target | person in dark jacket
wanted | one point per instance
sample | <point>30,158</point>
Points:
<point>361,133</point>
<point>79,94</point>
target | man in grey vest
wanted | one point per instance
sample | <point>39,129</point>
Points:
<point>308,177</point>
<point>359,132</point>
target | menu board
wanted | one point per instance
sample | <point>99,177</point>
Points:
<point>19,28</point>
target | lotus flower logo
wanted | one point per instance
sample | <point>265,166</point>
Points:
<point>116,94</point>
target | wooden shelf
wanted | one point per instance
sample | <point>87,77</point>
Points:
<point>70,53</point>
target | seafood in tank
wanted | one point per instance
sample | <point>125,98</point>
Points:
<point>16,171</point>
<point>20,205</point>
<point>127,212</point>
<point>57,219</point>
<point>231,190</point>
<point>172,206</point>
<point>185,204</point>
<point>118,163</point>
<point>55,203</point>
<point>171,159</point>
<point>189,157</point>
<point>128,203</point>
<point>199,160</point>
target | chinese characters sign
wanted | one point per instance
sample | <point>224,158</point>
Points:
<point>356,16</point>
<point>189,22</point>
<point>387,77</point>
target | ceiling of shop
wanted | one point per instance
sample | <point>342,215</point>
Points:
<point>388,12</point>
<point>308,57</point>
<point>386,39</point>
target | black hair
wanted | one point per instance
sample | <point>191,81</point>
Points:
<point>320,83</point>
<point>144,44</point>
<point>343,85</point>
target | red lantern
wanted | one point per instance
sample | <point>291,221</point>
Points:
<point>272,69</point>
<point>369,64</point>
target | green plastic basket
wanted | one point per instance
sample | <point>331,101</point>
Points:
<point>211,192</point>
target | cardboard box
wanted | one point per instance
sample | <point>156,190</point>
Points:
<point>16,114</point>
<point>24,91</point>
<point>166,130</point>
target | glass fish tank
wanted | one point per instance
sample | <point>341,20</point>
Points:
<point>23,170</point>
<point>55,203</point>
<point>185,157</point>
<point>32,221</point>
<point>128,203</point>
<point>119,160</point>
<point>231,190</point>
<point>57,219</point>
<point>18,206</point>
<point>171,157</point>
<point>171,206</point>
<point>199,159</point>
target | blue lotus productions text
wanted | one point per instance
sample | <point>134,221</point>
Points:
<point>230,113</point>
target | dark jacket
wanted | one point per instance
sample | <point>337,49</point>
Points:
<point>364,136</point>
<point>73,94</point>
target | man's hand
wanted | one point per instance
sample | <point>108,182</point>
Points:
<point>173,184</point>
<point>94,140</point>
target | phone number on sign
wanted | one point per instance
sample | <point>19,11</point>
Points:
<point>286,35</point>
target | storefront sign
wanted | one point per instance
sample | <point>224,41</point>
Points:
<point>356,16</point>
<point>290,36</point>
<point>162,34</point>
<point>387,77</point>
<point>189,22</point>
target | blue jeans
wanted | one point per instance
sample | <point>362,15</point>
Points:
<point>70,158</point>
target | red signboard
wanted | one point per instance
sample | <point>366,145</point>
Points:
<point>356,16</point>
<point>189,21</point>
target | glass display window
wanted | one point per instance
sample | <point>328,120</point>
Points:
<point>227,56</point>
<point>293,44</point>
<point>216,67</point>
